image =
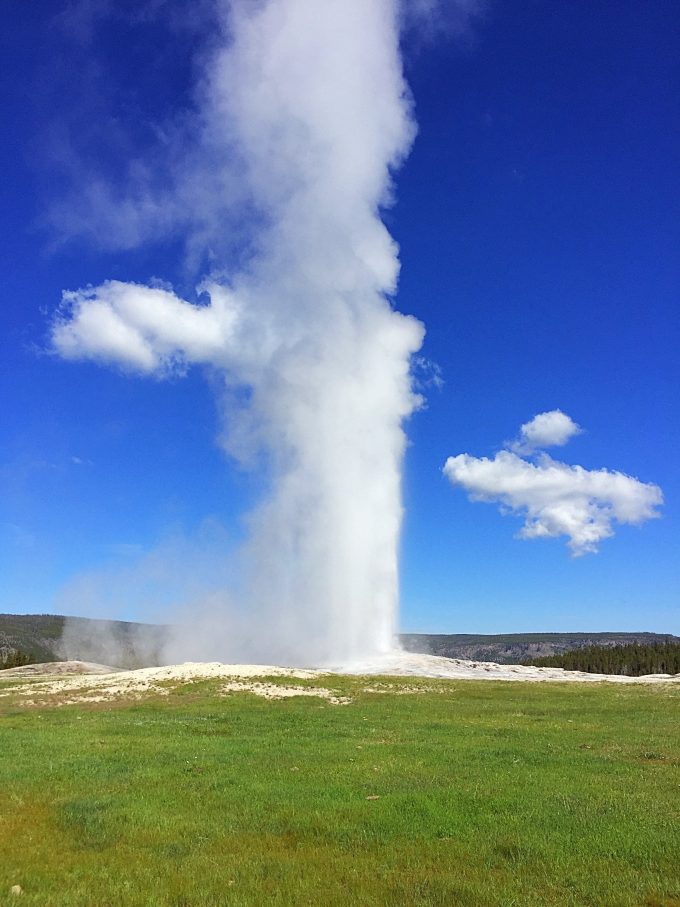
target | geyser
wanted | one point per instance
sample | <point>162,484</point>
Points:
<point>307,103</point>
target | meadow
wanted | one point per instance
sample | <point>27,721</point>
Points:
<point>415,791</point>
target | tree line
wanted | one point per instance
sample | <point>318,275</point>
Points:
<point>631,659</point>
<point>14,659</point>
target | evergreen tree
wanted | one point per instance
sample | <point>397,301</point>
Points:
<point>14,659</point>
<point>632,660</point>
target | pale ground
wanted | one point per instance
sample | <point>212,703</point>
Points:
<point>85,682</point>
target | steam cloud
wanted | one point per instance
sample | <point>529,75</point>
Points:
<point>312,109</point>
<point>556,499</point>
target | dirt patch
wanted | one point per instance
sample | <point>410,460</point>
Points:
<point>104,687</point>
<point>275,691</point>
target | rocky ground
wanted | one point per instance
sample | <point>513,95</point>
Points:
<point>75,681</point>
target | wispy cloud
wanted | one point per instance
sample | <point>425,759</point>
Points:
<point>17,536</point>
<point>81,461</point>
<point>432,18</point>
<point>182,569</point>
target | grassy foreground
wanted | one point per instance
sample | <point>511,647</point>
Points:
<point>463,793</point>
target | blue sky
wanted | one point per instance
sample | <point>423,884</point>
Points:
<point>538,223</point>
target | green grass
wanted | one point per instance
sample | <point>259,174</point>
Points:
<point>488,794</point>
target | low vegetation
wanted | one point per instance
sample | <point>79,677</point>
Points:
<point>414,792</point>
<point>632,660</point>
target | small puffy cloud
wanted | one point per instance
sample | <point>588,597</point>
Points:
<point>141,328</point>
<point>555,499</point>
<point>551,429</point>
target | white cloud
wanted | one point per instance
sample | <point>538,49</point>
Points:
<point>142,328</point>
<point>551,429</point>
<point>554,498</point>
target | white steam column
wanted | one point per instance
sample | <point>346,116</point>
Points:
<point>311,110</point>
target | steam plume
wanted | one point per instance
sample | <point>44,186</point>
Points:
<point>309,101</point>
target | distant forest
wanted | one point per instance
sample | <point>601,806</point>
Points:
<point>39,638</point>
<point>633,660</point>
<point>14,660</point>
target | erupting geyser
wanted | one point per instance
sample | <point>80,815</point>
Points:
<point>308,104</point>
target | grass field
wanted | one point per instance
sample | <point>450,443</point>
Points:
<point>462,793</point>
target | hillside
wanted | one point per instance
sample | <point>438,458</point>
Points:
<point>128,644</point>
<point>36,635</point>
<point>513,648</point>
<point>53,637</point>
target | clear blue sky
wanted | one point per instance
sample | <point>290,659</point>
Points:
<point>538,218</point>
